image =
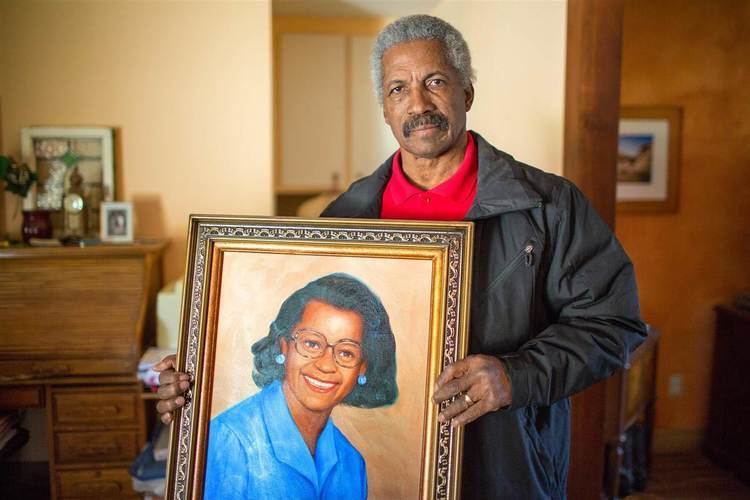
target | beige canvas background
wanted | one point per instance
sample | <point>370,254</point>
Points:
<point>390,439</point>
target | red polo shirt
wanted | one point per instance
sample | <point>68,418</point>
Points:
<point>450,200</point>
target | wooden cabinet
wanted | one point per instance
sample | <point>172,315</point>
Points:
<point>728,432</point>
<point>75,322</point>
<point>96,483</point>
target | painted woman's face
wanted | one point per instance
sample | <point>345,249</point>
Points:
<point>320,383</point>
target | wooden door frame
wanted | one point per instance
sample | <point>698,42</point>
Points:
<point>592,101</point>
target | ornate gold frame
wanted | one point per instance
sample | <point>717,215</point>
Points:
<point>447,245</point>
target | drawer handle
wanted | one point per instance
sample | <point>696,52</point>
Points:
<point>49,370</point>
<point>104,449</point>
<point>98,488</point>
<point>106,411</point>
<point>89,411</point>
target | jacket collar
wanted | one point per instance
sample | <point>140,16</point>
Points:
<point>288,445</point>
<point>501,188</point>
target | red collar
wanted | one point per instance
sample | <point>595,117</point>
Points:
<point>457,188</point>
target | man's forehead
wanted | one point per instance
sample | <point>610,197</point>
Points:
<point>425,55</point>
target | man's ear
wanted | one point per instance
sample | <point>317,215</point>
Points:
<point>469,96</point>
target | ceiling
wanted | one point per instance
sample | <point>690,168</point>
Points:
<point>352,8</point>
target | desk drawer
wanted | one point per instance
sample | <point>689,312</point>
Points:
<point>21,396</point>
<point>107,406</point>
<point>23,370</point>
<point>102,483</point>
<point>95,447</point>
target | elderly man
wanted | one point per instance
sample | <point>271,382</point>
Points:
<point>554,306</point>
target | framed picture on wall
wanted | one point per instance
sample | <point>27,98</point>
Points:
<point>66,159</point>
<point>116,221</point>
<point>648,159</point>
<point>325,334</point>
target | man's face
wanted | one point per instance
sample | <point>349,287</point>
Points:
<point>424,101</point>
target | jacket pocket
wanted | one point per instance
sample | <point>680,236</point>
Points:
<point>544,463</point>
<point>525,257</point>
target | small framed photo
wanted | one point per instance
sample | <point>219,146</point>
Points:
<point>648,159</point>
<point>117,221</point>
<point>314,345</point>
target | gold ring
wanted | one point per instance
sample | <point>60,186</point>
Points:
<point>468,399</point>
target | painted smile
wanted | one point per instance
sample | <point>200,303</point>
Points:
<point>319,385</point>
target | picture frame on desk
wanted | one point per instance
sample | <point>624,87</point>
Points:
<point>116,221</point>
<point>648,164</point>
<point>263,301</point>
<point>56,152</point>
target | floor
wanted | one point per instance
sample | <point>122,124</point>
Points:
<point>683,477</point>
<point>24,481</point>
<point>691,477</point>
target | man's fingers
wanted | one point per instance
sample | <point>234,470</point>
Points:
<point>170,405</point>
<point>168,377</point>
<point>461,404</point>
<point>172,377</point>
<point>451,388</point>
<point>168,391</point>
<point>456,370</point>
<point>483,378</point>
<point>166,363</point>
<point>472,413</point>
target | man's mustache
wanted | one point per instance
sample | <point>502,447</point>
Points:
<point>422,120</point>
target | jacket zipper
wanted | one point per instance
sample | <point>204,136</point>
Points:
<point>526,255</point>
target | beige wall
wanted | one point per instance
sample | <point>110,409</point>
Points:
<point>518,52</point>
<point>187,85</point>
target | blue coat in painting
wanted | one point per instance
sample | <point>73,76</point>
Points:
<point>255,451</point>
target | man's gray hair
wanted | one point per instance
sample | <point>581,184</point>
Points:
<point>421,27</point>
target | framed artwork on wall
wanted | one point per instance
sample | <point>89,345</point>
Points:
<point>314,345</point>
<point>648,159</point>
<point>117,221</point>
<point>70,159</point>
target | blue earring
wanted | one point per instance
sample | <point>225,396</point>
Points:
<point>280,359</point>
<point>362,379</point>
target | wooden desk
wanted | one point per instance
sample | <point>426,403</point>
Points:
<point>74,324</point>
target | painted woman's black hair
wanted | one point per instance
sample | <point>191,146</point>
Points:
<point>342,291</point>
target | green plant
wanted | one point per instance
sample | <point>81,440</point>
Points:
<point>18,177</point>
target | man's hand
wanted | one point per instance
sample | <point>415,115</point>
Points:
<point>482,378</point>
<point>172,386</point>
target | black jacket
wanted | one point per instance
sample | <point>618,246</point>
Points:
<point>553,295</point>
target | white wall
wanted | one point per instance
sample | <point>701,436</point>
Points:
<point>518,52</point>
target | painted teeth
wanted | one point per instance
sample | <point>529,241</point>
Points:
<point>319,384</point>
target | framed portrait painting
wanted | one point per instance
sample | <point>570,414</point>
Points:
<point>314,345</point>
<point>648,159</point>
